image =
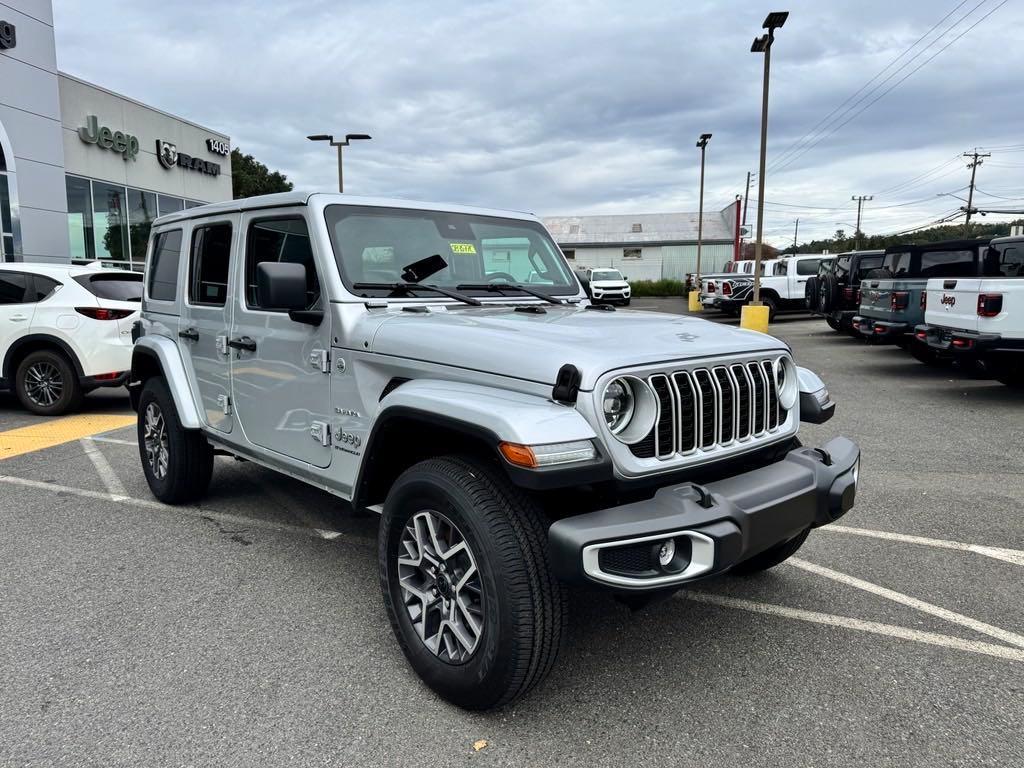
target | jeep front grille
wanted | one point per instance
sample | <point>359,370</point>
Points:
<point>711,408</point>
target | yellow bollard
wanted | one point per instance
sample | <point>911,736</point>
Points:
<point>695,305</point>
<point>754,318</point>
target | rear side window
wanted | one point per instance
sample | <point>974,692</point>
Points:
<point>122,286</point>
<point>947,263</point>
<point>897,263</point>
<point>42,287</point>
<point>808,266</point>
<point>211,257</point>
<point>13,287</point>
<point>842,267</point>
<point>283,240</point>
<point>163,267</point>
<point>1008,261</point>
<point>781,268</point>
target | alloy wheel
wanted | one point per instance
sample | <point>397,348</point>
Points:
<point>44,383</point>
<point>156,441</point>
<point>441,587</point>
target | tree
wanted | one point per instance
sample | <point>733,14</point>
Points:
<point>250,177</point>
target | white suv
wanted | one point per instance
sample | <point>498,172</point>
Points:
<point>65,331</point>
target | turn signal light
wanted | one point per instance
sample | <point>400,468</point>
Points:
<point>899,300</point>
<point>711,286</point>
<point>924,299</point>
<point>534,456</point>
<point>726,288</point>
<point>99,313</point>
<point>990,304</point>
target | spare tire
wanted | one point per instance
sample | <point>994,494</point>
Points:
<point>811,293</point>
<point>828,293</point>
<point>875,274</point>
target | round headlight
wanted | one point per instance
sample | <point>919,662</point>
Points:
<point>629,408</point>
<point>786,382</point>
<point>618,403</point>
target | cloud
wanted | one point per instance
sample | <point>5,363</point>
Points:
<point>575,107</point>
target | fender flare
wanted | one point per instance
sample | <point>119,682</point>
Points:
<point>43,338</point>
<point>168,359</point>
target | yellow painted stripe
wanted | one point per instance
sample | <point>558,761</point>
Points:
<point>47,434</point>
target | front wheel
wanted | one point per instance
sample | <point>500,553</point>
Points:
<point>466,582</point>
<point>177,462</point>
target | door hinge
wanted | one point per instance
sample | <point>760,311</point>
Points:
<point>320,358</point>
<point>225,404</point>
<point>222,345</point>
<point>321,432</point>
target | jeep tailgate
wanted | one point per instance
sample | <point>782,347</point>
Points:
<point>953,302</point>
<point>876,298</point>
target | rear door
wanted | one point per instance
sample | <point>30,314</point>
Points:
<point>206,318</point>
<point>281,378</point>
<point>798,275</point>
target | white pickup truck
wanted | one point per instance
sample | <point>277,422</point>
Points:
<point>782,285</point>
<point>718,285</point>
<point>982,319</point>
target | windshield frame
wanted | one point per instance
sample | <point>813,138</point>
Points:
<point>537,234</point>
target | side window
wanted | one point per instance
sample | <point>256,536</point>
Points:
<point>867,264</point>
<point>287,240</point>
<point>947,263</point>
<point>1011,262</point>
<point>808,266</point>
<point>163,266</point>
<point>13,287</point>
<point>782,268</point>
<point>42,287</point>
<point>208,269</point>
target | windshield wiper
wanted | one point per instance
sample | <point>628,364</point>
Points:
<point>409,288</point>
<point>498,287</point>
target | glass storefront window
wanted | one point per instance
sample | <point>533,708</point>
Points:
<point>141,212</point>
<point>170,204</point>
<point>110,222</point>
<point>80,219</point>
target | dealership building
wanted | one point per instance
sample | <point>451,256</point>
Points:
<point>649,246</point>
<point>84,170</point>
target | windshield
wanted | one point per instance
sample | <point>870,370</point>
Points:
<point>606,274</point>
<point>374,245</point>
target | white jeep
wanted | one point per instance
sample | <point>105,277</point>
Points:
<point>440,366</point>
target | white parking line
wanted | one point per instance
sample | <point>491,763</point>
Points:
<point>106,472</point>
<point>195,512</point>
<point>1015,556</point>
<point>114,440</point>
<point>910,602</point>
<point>874,627</point>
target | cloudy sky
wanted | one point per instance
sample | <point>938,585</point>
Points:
<point>588,106</point>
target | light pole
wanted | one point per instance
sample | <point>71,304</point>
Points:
<point>763,44</point>
<point>339,144</point>
<point>702,144</point>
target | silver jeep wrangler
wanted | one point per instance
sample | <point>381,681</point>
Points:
<point>441,367</point>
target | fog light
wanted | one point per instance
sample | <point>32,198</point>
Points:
<point>667,552</point>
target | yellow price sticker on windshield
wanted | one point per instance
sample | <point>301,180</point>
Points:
<point>463,248</point>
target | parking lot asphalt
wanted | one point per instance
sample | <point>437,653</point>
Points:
<point>249,630</point>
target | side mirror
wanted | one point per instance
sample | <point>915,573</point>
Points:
<point>282,286</point>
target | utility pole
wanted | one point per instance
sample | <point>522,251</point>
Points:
<point>796,229</point>
<point>860,200</point>
<point>702,144</point>
<point>973,165</point>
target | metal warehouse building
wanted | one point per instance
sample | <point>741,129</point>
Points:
<point>649,246</point>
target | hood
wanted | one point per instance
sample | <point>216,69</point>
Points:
<point>531,346</point>
<point>609,283</point>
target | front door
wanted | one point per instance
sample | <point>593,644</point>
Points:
<point>15,309</point>
<point>206,319</point>
<point>281,368</point>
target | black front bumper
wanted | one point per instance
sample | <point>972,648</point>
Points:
<point>967,344</point>
<point>713,527</point>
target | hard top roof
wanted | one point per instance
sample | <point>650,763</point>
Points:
<point>942,245</point>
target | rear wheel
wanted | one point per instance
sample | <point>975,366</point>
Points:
<point>773,306</point>
<point>46,383</point>
<point>177,462</point>
<point>923,353</point>
<point>466,582</point>
<point>834,324</point>
<point>772,557</point>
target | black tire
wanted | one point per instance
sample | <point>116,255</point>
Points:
<point>522,607</point>
<point>828,293</point>
<point>1005,372</point>
<point>771,557</point>
<point>46,383</point>
<point>923,353</point>
<point>185,475</point>
<point>773,307</point>
<point>811,294</point>
<point>834,324</point>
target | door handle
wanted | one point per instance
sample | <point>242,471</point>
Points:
<point>242,343</point>
<point>18,318</point>
<point>189,333</point>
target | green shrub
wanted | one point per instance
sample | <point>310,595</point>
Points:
<point>658,288</point>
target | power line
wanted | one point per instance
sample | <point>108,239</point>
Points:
<point>895,85</point>
<point>852,96</point>
<point>910,182</point>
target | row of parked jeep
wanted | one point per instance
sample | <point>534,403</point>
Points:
<point>953,301</point>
